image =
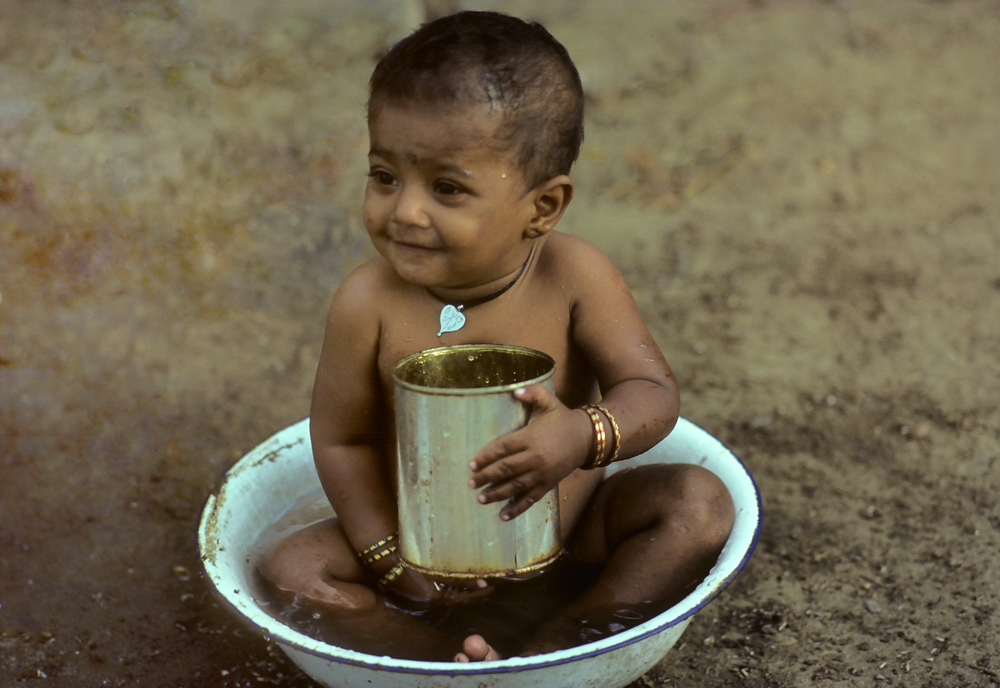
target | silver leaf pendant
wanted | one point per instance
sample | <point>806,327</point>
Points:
<point>452,319</point>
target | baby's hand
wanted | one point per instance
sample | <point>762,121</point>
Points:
<point>417,591</point>
<point>524,465</point>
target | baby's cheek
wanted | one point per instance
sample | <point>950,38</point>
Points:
<point>373,223</point>
<point>367,213</point>
<point>373,209</point>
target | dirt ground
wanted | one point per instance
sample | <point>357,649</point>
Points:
<point>803,195</point>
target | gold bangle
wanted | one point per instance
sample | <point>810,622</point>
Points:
<point>378,545</point>
<point>372,558</point>
<point>391,575</point>
<point>616,439</point>
<point>599,434</point>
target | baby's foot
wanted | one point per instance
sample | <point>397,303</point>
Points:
<point>558,633</point>
<point>476,649</point>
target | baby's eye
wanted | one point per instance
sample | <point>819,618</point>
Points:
<point>446,188</point>
<point>381,177</point>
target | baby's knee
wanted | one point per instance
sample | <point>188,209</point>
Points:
<point>290,567</point>
<point>311,564</point>
<point>704,506</point>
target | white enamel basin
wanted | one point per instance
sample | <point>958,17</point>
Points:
<point>268,480</point>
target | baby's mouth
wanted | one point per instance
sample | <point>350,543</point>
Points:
<point>407,245</point>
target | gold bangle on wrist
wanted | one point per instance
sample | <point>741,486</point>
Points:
<point>391,575</point>
<point>377,546</point>
<point>616,435</point>
<point>600,435</point>
<point>372,558</point>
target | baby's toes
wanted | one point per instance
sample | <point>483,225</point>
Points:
<point>476,649</point>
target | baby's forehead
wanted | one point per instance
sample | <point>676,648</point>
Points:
<point>452,128</point>
<point>462,110</point>
<point>429,134</point>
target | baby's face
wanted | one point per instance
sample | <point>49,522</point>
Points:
<point>444,204</point>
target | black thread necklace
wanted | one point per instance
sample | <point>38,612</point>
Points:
<point>453,319</point>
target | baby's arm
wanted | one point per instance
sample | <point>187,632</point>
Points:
<point>348,425</point>
<point>636,384</point>
<point>346,419</point>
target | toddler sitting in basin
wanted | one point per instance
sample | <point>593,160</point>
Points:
<point>475,121</point>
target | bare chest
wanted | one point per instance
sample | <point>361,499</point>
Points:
<point>519,318</point>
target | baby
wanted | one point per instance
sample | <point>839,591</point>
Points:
<point>475,120</point>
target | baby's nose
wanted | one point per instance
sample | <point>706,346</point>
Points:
<point>411,208</point>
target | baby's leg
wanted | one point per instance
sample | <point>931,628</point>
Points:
<point>659,529</point>
<point>317,565</point>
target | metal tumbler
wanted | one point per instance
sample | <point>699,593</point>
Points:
<point>450,403</point>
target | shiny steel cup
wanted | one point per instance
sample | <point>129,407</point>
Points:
<point>450,403</point>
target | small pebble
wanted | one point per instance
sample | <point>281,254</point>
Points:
<point>873,606</point>
<point>733,638</point>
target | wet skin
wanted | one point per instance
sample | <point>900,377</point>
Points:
<point>451,217</point>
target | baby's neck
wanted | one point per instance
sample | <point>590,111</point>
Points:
<point>471,296</point>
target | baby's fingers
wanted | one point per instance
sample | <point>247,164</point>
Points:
<point>463,593</point>
<point>513,488</point>
<point>521,504</point>
<point>496,450</point>
<point>527,484</point>
<point>510,468</point>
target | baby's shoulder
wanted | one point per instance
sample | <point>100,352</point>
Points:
<point>571,259</point>
<point>361,292</point>
<point>375,275</point>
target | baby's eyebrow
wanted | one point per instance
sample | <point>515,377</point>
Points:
<point>414,159</point>
<point>455,169</point>
<point>380,152</point>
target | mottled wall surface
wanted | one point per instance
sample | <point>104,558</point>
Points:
<point>802,194</point>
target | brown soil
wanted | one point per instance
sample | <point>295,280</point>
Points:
<point>804,196</point>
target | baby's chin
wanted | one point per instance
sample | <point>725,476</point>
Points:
<point>415,269</point>
<point>419,280</point>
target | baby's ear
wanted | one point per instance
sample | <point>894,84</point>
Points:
<point>551,199</point>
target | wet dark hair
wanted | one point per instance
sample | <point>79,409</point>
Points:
<point>494,59</point>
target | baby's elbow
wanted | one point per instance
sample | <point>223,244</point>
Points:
<point>661,415</point>
<point>670,405</point>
